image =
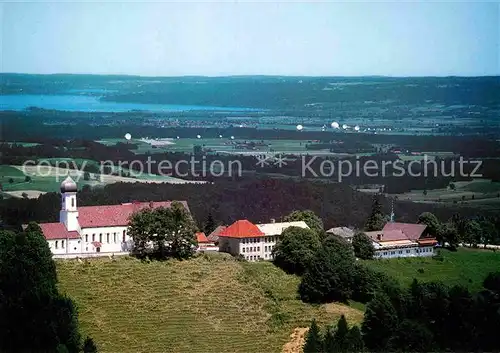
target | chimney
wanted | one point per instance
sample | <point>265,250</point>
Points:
<point>151,204</point>
<point>379,236</point>
<point>273,220</point>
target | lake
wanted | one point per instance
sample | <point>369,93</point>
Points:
<point>86,103</point>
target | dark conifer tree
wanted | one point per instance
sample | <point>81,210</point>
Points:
<point>379,323</point>
<point>89,346</point>
<point>314,341</point>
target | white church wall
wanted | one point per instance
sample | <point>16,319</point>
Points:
<point>111,239</point>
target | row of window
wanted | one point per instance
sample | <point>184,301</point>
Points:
<point>400,252</point>
<point>259,240</point>
<point>107,237</point>
<point>257,257</point>
<point>57,244</point>
<point>251,249</point>
<point>267,248</point>
<point>252,257</point>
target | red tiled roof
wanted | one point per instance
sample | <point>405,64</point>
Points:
<point>389,235</point>
<point>214,236</point>
<point>411,230</point>
<point>57,231</point>
<point>201,238</point>
<point>427,241</point>
<point>241,229</point>
<point>115,215</point>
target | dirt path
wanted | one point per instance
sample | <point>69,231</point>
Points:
<point>297,339</point>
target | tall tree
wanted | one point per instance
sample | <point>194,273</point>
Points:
<point>329,345</point>
<point>314,341</point>
<point>340,336</point>
<point>209,224</point>
<point>379,323</point>
<point>472,232</point>
<point>377,219</point>
<point>170,230</point>
<point>30,305</point>
<point>432,223</point>
<point>295,249</point>
<point>363,246</point>
<point>355,340</point>
<point>329,276</point>
<point>309,217</point>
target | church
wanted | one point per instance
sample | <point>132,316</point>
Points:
<point>92,230</point>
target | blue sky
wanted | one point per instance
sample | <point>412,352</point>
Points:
<point>273,38</point>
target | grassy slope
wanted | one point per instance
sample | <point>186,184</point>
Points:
<point>467,267</point>
<point>208,304</point>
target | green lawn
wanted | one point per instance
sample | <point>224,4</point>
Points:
<point>466,267</point>
<point>207,304</point>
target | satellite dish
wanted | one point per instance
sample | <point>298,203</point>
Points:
<point>356,128</point>
<point>220,136</point>
<point>299,127</point>
<point>128,136</point>
<point>344,126</point>
<point>335,125</point>
<point>198,136</point>
<point>177,137</point>
<point>232,137</point>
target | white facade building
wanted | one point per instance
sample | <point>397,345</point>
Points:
<point>92,230</point>
<point>402,240</point>
<point>253,242</point>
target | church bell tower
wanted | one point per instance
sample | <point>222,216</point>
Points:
<point>69,212</point>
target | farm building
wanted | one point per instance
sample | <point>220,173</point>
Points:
<point>402,240</point>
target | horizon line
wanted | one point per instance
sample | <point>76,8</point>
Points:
<point>251,75</point>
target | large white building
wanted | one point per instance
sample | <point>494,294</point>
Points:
<point>92,230</point>
<point>253,241</point>
<point>402,240</point>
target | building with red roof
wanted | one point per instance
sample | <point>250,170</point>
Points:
<point>402,240</point>
<point>102,230</point>
<point>204,244</point>
<point>253,241</point>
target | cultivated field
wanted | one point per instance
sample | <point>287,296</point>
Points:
<point>477,192</point>
<point>48,179</point>
<point>224,145</point>
<point>212,303</point>
<point>467,267</point>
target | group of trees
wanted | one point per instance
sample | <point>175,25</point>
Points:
<point>480,230</point>
<point>34,316</point>
<point>431,316</point>
<point>326,262</point>
<point>336,338</point>
<point>163,232</point>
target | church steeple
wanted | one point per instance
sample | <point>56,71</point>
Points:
<point>392,211</point>
<point>69,212</point>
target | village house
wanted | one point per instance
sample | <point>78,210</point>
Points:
<point>345,233</point>
<point>402,240</point>
<point>92,230</point>
<point>253,241</point>
<point>205,244</point>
